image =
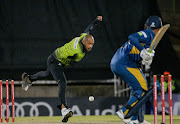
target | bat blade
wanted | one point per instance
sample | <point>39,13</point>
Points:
<point>158,37</point>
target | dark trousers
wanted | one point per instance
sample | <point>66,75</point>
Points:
<point>54,68</point>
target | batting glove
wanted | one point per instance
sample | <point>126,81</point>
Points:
<point>147,62</point>
<point>146,55</point>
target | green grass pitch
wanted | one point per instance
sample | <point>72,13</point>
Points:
<point>106,119</point>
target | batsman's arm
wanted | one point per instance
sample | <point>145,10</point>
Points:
<point>135,41</point>
<point>144,54</point>
<point>93,24</point>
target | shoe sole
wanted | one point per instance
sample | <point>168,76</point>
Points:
<point>126,121</point>
<point>67,116</point>
<point>25,84</point>
<point>23,76</point>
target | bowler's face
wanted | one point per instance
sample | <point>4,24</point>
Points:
<point>88,44</point>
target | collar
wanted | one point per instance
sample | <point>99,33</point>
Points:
<point>83,47</point>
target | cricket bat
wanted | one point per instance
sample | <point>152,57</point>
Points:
<point>158,37</point>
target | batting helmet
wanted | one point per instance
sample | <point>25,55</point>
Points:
<point>154,22</point>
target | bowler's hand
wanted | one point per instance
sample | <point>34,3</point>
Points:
<point>99,18</point>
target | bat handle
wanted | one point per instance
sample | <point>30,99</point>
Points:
<point>150,51</point>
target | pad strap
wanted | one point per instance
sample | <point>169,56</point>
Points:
<point>128,106</point>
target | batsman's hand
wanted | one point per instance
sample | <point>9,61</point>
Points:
<point>99,18</point>
<point>147,62</point>
<point>145,55</point>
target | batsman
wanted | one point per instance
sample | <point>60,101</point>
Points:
<point>68,54</point>
<point>125,65</point>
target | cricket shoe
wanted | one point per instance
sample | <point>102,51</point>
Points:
<point>145,122</point>
<point>133,122</point>
<point>26,83</point>
<point>66,113</point>
<point>120,114</point>
<point>137,122</point>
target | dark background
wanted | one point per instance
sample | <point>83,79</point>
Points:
<point>31,30</point>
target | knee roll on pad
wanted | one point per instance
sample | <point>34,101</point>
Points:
<point>139,94</point>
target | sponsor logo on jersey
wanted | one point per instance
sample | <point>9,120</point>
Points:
<point>76,43</point>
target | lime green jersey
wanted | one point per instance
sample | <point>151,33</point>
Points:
<point>72,51</point>
<point>166,86</point>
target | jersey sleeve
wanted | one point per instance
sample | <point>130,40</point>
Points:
<point>91,26</point>
<point>138,39</point>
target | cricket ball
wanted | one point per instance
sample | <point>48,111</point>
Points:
<point>91,98</point>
